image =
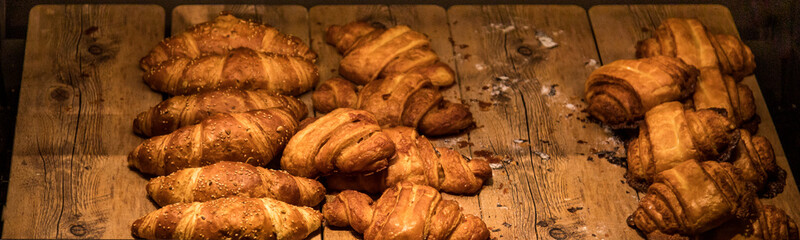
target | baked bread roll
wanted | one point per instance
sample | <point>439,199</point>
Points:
<point>254,137</point>
<point>770,223</point>
<point>671,135</point>
<point>622,91</point>
<point>715,90</point>
<point>371,53</point>
<point>335,93</point>
<point>416,160</point>
<point>400,100</point>
<point>180,111</point>
<point>405,211</point>
<point>755,160</point>
<point>692,198</point>
<point>346,141</point>
<point>689,40</point>
<point>224,33</point>
<point>240,68</point>
<point>229,179</point>
<point>229,218</point>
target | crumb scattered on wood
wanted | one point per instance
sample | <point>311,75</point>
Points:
<point>574,209</point>
<point>542,155</point>
<point>546,40</point>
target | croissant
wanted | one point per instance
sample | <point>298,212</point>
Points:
<point>371,52</point>
<point>770,223</point>
<point>345,141</point>
<point>405,211</point>
<point>180,111</point>
<point>226,32</point>
<point>671,135</point>
<point>254,137</point>
<point>715,90</point>
<point>334,93</point>
<point>228,218</point>
<point>400,100</point>
<point>692,198</point>
<point>755,159</point>
<point>240,68</point>
<point>689,40</point>
<point>416,160</point>
<point>622,91</point>
<point>228,179</point>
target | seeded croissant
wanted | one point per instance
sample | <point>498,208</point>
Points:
<point>224,33</point>
<point>228,179</point>
<point>229,218</point>
<point>254,137</point>
<point>180,111</point>
<point>416,160</point>
<point>346,141</point>
<point>692,198</point>
<point>672,135</point>
<point>373,52</point>
<point>622,91</point>
<point>405,211</point>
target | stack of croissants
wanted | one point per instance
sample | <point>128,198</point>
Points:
<point>233,110</point>
<point>697,156</point>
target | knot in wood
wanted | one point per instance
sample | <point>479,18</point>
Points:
<point>526,51</point>
<point>77,230</point>
<point>95,50</point>
<point>59,93</point>
<point>558,233</point>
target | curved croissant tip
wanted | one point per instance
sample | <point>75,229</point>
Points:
<point>607,110</point>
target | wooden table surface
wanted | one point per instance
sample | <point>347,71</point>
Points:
<point>82,87</point>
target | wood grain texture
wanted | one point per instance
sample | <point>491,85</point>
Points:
<point>81,88</point>
<point>617,28</point>
<point>288,19</point>
<point>526,100</point>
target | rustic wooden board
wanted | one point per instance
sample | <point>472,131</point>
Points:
<point>550,188</point>
<point>428,19</point>
<point>81,88</point>
<point>617,28</point>
<point>289,19</point>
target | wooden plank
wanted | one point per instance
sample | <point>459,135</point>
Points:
<point>81,87</point>
<point>289,19</point>
<point>617,28</point>
<point>550,188</point>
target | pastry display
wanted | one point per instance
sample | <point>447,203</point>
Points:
<point>229,218</point>
<point>371,53</point>
<point>222,34</point>
<point>671,135</point>
<point>229,179</point>
<point>180,111</point>
<point>416,160</point>
<point>399,100</point>
<point>344,141</point>
<point>254,137</point>
<point>405,211</point>
<point>239,68</point>
<point>622,91</point>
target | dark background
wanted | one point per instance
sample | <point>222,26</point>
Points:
<point>770,27</point>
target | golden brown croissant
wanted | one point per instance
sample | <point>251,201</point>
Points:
<point>622,91</point>
<point>228,179</point>
<point>401,100</point>
<point>671,135</point>
<point>334,93</point>
<point>224,33</point>
<point>345,141</point>
<point>405,211</point>
<point>770,223</point>
<point>228,218</point>
<point>692,198</point>
<point>254,137</point>
<point>416,160</point>
<point>371,52</point>
<point>240,68</point>
<point>180,111</point>
<point>689,40</point>
<point>715,90</point>
<point>755,159</point>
